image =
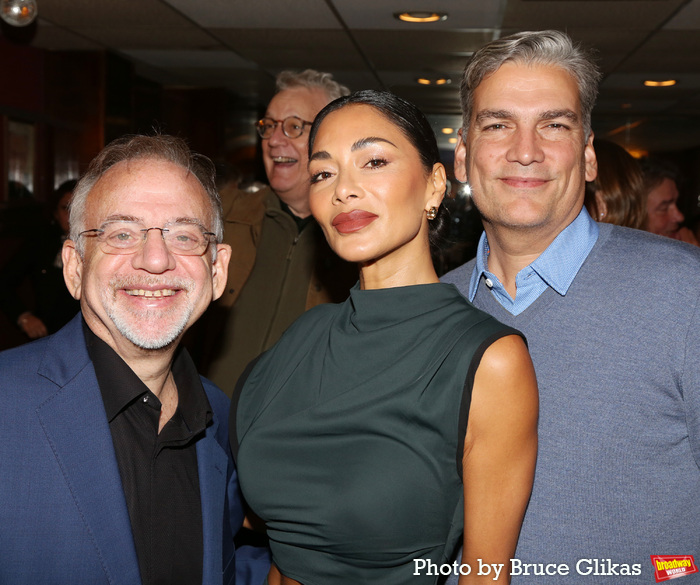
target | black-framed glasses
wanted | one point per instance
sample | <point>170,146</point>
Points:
<point>125,237</point>
<point>293,127</point>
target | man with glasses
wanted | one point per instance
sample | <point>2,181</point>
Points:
<point>114,456</point>
<point>281,263</point>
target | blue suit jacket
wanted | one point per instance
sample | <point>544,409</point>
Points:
<point>63,515</point>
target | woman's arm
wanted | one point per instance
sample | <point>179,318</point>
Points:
<point>500,450</point>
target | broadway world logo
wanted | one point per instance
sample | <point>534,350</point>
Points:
<point>668,567</point>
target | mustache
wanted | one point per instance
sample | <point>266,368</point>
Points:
<point>145,282</point>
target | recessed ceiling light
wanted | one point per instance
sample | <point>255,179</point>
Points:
<point>448,130</point>
<point>452,141</point>
<point>418,16</point>
<point>434,80</point>
<point>664,83</point>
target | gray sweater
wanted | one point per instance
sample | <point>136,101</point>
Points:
<point>618,369</point>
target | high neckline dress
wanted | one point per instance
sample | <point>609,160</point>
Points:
<point>348,434</point>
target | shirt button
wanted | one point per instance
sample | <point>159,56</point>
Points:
<point>489,283</point>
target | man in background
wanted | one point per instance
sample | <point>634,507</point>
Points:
<point>114,458</point>
<point>281,264</point>
<point>662,214</point>
<point>611,315</point>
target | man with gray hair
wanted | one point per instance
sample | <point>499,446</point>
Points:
<point>281,263</point>
<point>612,319</point>
<point>114,456</point>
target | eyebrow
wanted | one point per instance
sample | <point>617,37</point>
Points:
<point>546,115</point>
<point>369,141</point>
<point>320,155</point>
<point>133,219</point>
<point>358,145</point>
<point>118,217</point>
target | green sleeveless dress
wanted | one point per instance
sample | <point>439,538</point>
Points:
<point>348,434</point>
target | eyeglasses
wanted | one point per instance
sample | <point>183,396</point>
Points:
<point>124,237</point>
<point>293,127</point>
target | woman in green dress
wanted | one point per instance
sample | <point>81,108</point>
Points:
<point>382,433</point>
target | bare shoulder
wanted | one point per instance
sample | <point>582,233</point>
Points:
<point>505,390</point>
<point>506,366</point>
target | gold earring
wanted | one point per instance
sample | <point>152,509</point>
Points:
<point>432,213</point>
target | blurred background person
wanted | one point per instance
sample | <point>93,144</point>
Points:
<point>281,264</point>
<point>662,214</point>
<point>33,293</point>
<point>617,194</point>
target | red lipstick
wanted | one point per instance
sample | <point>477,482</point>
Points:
<point>354,221</point>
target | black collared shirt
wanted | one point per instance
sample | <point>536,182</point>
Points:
<point>158,471</point>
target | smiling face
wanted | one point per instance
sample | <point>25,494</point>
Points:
<point>369,189</point>
<point>286,158</point>
<point>525,155</point>
<point>149,298</point>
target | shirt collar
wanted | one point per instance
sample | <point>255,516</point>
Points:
<point>559,264</point>
<point>120,386</point>
<point>275,207</point>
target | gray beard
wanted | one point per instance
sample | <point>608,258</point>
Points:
<point>127,322</point>
<point>164,337</point>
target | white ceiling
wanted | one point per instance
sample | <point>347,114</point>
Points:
<point>241,44</point>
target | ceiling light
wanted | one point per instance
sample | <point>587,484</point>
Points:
<point>18,12</point>
<point>448,130</point>
<point>434,80</point>
<point>665,83</point>
<point>417,16</point>
<point>452,141</point>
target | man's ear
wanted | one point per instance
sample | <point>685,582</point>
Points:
<point>460,163</point>
<point>591,163</point>
<point>72,269</point>
<point>219,270</point>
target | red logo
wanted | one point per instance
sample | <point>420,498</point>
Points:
<point>673,566</point>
